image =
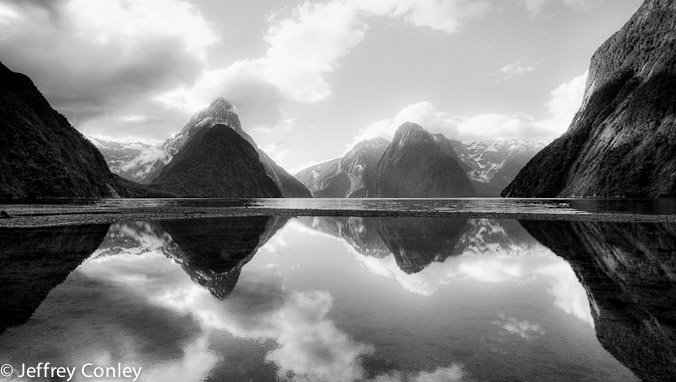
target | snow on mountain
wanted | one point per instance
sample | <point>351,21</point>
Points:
<point>133,161</point>
<point>495,163</point>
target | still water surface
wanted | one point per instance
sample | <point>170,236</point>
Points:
<point>343,299</point>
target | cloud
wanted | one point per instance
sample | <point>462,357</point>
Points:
<point>440,15</point>
<point>535,6</point>
<point>515,69</point>
<point>304,48</point>
<point>91,59</point>
<point>564,102</point>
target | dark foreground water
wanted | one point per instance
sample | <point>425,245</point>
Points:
<point>341,299</point>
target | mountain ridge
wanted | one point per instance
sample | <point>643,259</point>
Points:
<point>350,176</point>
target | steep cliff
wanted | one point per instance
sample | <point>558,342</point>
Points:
<point>622,142</point>
<point>42,155</point>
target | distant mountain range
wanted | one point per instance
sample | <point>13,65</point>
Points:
<point>488,165</point>
<point>622,142</point>
<point>133,161</point>
<point>492,165</point>
<point>351,176</point>
<point>419,164</point>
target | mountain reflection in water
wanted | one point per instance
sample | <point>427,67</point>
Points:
<point>35,260</point>
<point>629,271</point>
<point>342,299</point>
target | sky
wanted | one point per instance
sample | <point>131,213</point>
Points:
<point>310,79</point>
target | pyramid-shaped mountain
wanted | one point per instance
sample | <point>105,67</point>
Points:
<point>216,162</point>
<point>416,166</point>
<point>222,112</point>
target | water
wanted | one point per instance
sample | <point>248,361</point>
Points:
<point>344,298</point>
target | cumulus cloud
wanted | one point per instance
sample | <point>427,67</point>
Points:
<point>102,58</point>
<point>304,48</point>
<point>535,6</point>
<point>564,102</point>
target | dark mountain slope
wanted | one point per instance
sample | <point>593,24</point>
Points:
<point>222,112</point>
<point>216,162</point>
<point>622,142</point>
<point>415,166</point>
<point>42,155</point>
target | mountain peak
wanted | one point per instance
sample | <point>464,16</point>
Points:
<point>221,104</point>
<point>410,127</point>
<point>409,133</point>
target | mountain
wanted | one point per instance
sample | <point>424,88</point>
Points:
<point>415,166</point>
<point>622,142</point>
<point>629,273</point>
<point>148,163</point>
<point>35,260</point>
<point>492,165</point>
<point>216,162</point>
<point>42,155</point>
<point>219,111</point>
<point>133,161</point>
<point>351,176</point>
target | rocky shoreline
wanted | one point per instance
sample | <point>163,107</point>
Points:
<point>59,215</point>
